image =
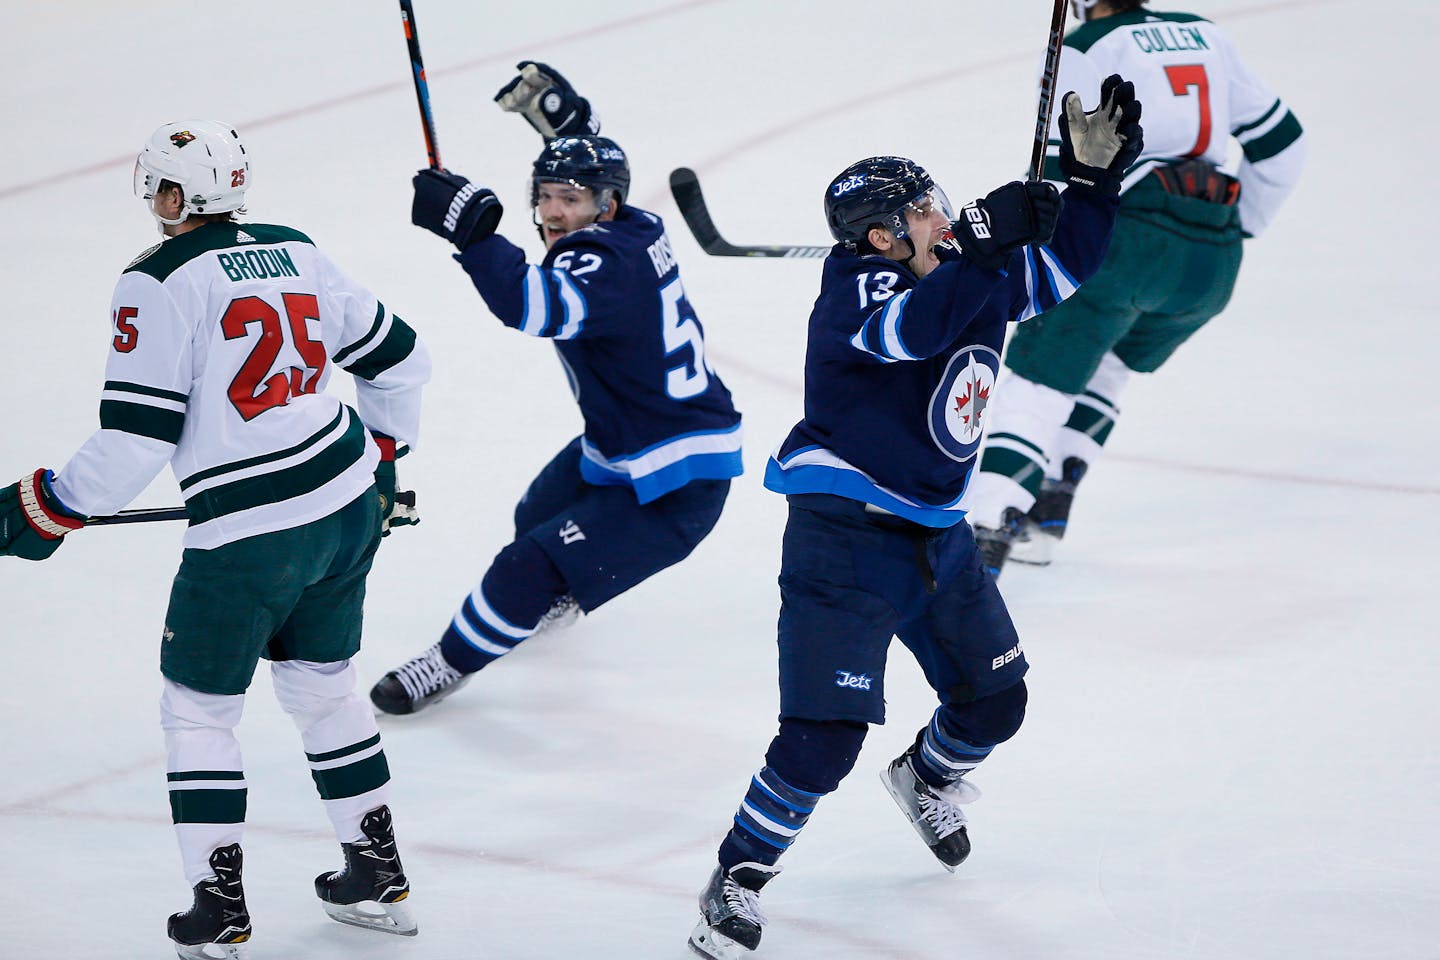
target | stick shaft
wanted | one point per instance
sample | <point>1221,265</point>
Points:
<point>1046,105</point>
<point>422,89</point>
<point>147,515</point>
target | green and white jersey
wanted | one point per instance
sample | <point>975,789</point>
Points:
<point>224,340</point>
<point>1196,95</point>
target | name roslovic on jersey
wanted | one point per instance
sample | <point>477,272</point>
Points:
<point>225,338</point>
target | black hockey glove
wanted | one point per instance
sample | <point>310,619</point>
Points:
<point>991,229</point>
<point>548,102</point>
<point>33,521</point>
<point>453,208</point>
<point>1096,148</point>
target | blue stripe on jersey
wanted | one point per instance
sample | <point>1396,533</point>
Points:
<point>575,307</point>
<point>1046,280</point>
<point>881,336</point>
<point>667,465</point>
<point>815,469</point>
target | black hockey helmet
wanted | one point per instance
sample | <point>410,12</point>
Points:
<point>588,161</point>
<point>875,192</point>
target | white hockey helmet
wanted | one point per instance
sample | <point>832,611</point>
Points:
<point>205,157</point>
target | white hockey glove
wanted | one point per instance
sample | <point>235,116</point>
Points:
<point>547,102</point>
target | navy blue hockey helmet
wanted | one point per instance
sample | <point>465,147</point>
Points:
<point>875,193</point>
<point>588,161</point>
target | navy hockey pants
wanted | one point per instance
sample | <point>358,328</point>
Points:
<point>850,580</point>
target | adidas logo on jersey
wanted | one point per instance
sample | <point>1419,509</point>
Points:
<point>571,532</point>
<point>242,237</point>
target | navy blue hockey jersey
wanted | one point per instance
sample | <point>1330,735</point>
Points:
<point>899,371</point>
<point>609,296</point>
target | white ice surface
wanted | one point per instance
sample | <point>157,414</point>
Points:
<point>1231,748</point>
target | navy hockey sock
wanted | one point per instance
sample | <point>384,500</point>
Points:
<point>770,817</point>
<point>806,760</point>
<point>959,736</point>
<point>519,588</point>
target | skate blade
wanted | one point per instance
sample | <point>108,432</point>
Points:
<point>716,946</point>
<point>393,918</point>
<point>914,825</point>
<point>212,951</point>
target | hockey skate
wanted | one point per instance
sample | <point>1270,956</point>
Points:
<point>995,544</point>
<point>934,812</point>
<point>730,917</point>
<point>217,925</point>
<point>417,683</point>
<point>371,891</point>
<point>1046,522</point>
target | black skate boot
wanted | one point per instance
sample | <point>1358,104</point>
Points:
<point>730,917</point>
<point>371,889</point>
<point>217,925</point>
<point>995,544</point>
<point>934,812</point>
<point>417,683</point>
<point>1050,515</point>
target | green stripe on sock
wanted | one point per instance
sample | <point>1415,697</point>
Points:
<point>1018,467</point>
<point>184,775</point>
<point>1091,422</point>
<point>343,751</point>
<point>208,806</point>
<point>352,779</point>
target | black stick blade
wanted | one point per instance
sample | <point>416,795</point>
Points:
<point>685,188</point>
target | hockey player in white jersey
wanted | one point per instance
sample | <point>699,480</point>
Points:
<point>224,338</point>
<point>1171,267</point>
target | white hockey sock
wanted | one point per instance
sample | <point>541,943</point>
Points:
<point>205,773</point>
<point>342,742</point>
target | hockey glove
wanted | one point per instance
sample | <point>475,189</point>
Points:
<point>397,508</point>
<point>548,102</point>
<point>453,208</point>
<point>32,519</point>
<point>991,229</point>
<point>1096,148</point>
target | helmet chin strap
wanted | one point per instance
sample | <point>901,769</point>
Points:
<point>163,222</point>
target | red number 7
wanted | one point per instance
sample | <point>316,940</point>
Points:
<point>1182,78</point>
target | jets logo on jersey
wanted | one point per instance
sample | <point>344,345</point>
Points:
<point>958,407</point>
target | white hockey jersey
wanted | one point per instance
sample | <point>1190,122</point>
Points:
<point>224,340</point>
<point>1196,94</point>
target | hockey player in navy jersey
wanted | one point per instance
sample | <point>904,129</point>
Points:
<point>646,481</point>
<point>904,344</point>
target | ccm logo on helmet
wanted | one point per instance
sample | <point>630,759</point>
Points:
<point>845,186</point>
<point>452,216</point>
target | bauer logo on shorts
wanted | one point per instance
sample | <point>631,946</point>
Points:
<point>961,401</point>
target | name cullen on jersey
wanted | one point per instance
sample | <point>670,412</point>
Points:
<point>259,264</point>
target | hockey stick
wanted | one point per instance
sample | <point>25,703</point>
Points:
<point>405,498</point>
<point>422,89</point>
<point>139,516</point>
<point>1047,90</point>
<point>685,187</point>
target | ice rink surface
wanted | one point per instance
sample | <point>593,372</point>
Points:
<point>1231,747</point>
